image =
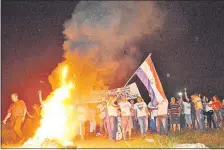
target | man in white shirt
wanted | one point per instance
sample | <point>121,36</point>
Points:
<point>161,121</point>
<point>141,113</point>
<point>187,113</point>
<point>153,115</point>
<point>126,120</point>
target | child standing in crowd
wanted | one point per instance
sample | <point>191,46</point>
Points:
<point>133,117</point>
<point>141,113</point>
<point>153,114</point>
<point>126,120</point>
<point>175,114</point>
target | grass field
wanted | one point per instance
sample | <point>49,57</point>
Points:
<point>211,139</point>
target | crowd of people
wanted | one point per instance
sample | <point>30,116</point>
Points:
<point>117,118</point>
<point>120,116</point>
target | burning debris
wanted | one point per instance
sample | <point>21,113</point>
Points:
<point>57,120</point>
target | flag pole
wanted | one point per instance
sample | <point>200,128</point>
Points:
<point>136,70</point>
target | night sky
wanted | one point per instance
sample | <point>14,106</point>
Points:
<point>190,47</point>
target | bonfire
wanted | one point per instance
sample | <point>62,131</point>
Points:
<point>57,124</point>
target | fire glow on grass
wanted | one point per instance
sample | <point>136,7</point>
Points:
<point>57,121</point>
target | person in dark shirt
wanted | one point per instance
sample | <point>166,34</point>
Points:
<point>174,114</point>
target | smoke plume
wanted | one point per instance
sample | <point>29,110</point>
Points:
<point>101,40</point>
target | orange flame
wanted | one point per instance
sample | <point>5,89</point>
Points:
<point>56,122</point>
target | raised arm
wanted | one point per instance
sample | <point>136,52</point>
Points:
<point>40,97</point>
<point>185,94</point>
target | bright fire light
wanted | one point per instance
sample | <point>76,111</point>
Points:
<point>56,122</point>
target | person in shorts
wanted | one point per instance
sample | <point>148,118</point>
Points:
<point>174,114</point>
<point>187,112</point>
<point>126,120</point>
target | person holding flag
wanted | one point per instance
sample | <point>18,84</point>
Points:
<point>149,77</point>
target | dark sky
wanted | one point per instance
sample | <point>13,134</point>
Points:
<point>190,46</point>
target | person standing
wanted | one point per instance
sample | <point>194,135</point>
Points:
<point>113,114</point>
<point>193,113</point>
<point>133,117</point>
<point>182,115</point>
<point>101,116</point>
<point>153,115</point>
<point>161,120</point>
<point>216,106</point>
<point>126,120</point>
<point>17,113</point>
<point>187,113</point>
<point>141,113</point>
<point>198,109</point>
<point>175,114</point>
<point>209,112</point>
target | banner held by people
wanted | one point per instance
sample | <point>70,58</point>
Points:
<point>131,92</point>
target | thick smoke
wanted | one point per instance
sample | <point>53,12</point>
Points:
<point>106,34</point>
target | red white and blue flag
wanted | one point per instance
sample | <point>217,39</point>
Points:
<point>149,77</point>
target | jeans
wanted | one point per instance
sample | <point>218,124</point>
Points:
<point>108,126</point>
<point>153,125</point>
<point>134,124</point>
<point>193,118</point>
<point>142,124</point>
<point>210,120</point>
<point>113,126</point>
<point>218,117</point>
<point>199,118</point>
<point>188,119</point>
<point>161,124</point>
<point>182,121</point>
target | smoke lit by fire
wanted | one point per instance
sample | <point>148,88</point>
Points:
<point>100,50</point>
<point>107,33</point>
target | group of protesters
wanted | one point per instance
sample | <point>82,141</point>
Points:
<point>194,113</point>
<point>118,118</point>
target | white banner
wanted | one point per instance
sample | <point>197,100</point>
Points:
<point>131,91</point>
